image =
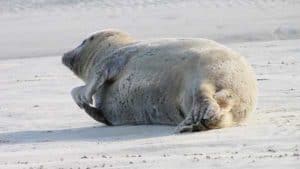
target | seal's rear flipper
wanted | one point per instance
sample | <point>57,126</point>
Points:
<point>210,110</point>
<point>96,114</point>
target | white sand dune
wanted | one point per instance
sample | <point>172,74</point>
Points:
<point>41,127</point>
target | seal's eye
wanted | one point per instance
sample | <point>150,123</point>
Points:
<point>91,38</point>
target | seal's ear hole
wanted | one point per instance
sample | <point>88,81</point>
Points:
<point>91,38</point>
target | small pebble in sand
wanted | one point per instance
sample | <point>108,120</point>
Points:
<point>21,162</point>
<point>84,157</point>
<point>296,154</point>
<point>196,159</point>
<point>130,162</point>
<point>271,150</point>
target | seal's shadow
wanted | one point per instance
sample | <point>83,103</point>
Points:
<point>92,133</point>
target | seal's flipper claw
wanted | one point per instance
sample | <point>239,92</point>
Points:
<point>182,129</point>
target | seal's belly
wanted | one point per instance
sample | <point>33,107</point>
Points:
<point>139,98</point>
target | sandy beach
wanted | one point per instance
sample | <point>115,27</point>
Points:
<point>41,126</point>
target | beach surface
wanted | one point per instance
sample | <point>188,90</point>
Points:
<point>41,126</point>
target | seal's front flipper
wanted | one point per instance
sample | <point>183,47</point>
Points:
<point>106,71</point>
<point>96,114</point>
<point>80,97</point>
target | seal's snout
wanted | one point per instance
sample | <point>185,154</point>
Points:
<point>68,60</point>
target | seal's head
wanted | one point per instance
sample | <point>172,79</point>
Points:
<point>96,45</point>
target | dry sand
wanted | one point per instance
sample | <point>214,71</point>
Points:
<point>41,127</point>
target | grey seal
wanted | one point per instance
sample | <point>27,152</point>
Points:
<point>194,84</point>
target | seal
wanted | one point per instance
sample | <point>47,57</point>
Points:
<point>194,84</point>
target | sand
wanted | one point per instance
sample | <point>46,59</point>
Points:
<point>41,127</point>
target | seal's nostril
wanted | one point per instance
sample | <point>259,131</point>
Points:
<point>65,59</point>
<point>68,60</point>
